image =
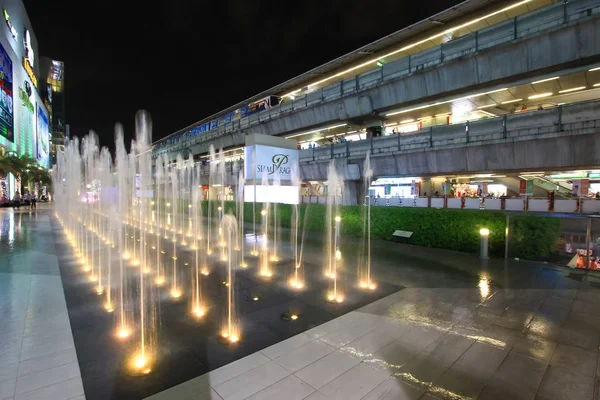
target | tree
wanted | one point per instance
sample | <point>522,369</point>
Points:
<point>7,166</point>
<point>26,168</point>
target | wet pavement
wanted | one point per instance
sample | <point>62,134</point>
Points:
<point>38,359</point>
<point>460,328</point>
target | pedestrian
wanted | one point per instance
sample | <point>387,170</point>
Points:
<point>17,199</point>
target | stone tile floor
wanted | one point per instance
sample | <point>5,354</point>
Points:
<point>37,352</point>
<point>462,329</point>
<point>414,344</point>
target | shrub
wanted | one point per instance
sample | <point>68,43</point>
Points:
<point>532,238</point>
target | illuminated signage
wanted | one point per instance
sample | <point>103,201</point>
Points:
<point>28,48</point>
<point>6,96</point>
<point>29,71</point>
<point>12,29</point>
<point>25,100</point>
<point>43,145</point>
<point>269,160</point>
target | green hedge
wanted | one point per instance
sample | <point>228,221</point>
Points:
<point>532,238</point>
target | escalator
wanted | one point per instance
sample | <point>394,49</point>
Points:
<point>561,189</point>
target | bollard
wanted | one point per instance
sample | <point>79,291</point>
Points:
<point>483,251</point>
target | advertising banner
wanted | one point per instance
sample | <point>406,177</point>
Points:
<point>482,188</point>
<point>268,160</point>
<point>446,187</point>
<point>43,136</point>
<point>581,187</point>
<point>526,187</point>
<point>415,188</point>
<point>6,96</point>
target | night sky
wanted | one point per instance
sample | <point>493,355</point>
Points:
<point>184,60</point>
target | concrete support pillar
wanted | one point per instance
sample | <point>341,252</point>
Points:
<point>375,128</point>
<point>427,187</point>
<point>361,192</point>
<point>349,195</point>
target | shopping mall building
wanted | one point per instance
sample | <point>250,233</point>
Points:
<point>24,116</point>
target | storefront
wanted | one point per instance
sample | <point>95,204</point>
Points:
<point>393,187</point>
<point>24,118</point>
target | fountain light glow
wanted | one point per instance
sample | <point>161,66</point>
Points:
<point>123,333</point>
<point>141,364</point>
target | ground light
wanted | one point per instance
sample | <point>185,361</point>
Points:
<point>123,333</point>
<point>140,364</point>
<point>367,285</point>
<point>290,316</point>
<point>199,312</point>
<point>483,251</point>
<point>229,338</point>
<point>335,298</point>
<point>296,283</point>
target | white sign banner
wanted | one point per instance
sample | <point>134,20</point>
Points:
<point>268,160</point>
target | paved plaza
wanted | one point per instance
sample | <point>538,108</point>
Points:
<point>454,327</point>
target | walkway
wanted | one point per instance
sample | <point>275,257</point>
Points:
<point>37,354</point>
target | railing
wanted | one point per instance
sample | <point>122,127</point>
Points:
<point>583,205</point>
<point>517,28</point>
<point>573,118</point>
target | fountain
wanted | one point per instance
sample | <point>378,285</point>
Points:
<point>276,230</point>
<point>143,360</point>
<point>123,327</point>
<point>106,221</point>
<point>159,175</point>
<point>175,205</point>
<point>264,268</point>
<point>129,225</point>
<point>211,183</point>
<point>333,254</point>
<point>240,213</point>
<point>198,308</point>
<point>296,279</point>
<point>364,258</point>
<point>231,328</point>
